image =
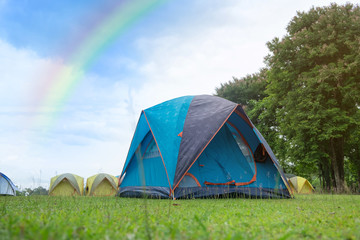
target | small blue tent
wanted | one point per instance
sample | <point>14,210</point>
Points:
<point>200,146</point>
<point>6,186</point>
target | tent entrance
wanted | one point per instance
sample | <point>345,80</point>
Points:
<point>227,160</point>
<point>104,188</point>
<point>64,188</point>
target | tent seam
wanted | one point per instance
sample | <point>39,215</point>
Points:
<point>167,175</point>
<point>123,171</point>
<point>205,146</point>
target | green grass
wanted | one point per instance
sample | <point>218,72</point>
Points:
<point>309,217</point>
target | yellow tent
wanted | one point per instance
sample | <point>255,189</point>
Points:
<point>301,185</point>
<point>66,184</point>
<point>101,184</point>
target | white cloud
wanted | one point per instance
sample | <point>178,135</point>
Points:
<point>188,63</point>
<point>226,40</point>
<point>90,134</point>
<point>16,68</point>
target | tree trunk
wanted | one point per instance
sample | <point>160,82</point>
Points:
<point>328,178</point>
<point>337,162</point>
<point>325,166</point>
<point>359,180</point>
<point>325,169</point>
<point>321,176</point>
<point>357,165</point>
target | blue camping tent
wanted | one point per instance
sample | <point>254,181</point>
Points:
<point>200,146</point>
<point>6,186</point>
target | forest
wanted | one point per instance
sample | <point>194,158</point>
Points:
<point>305,101</point>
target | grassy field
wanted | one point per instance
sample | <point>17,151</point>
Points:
<point>309,217</point>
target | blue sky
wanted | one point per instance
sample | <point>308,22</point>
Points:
<point>180,48</point>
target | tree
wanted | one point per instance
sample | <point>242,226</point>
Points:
<point>245,91</point>
<point>20,193</point>
<point>36,191</point>
<point>39,191</point>
<point>313,89</point>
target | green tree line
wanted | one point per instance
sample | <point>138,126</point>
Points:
<point>306,100</point>
<point>30,192</point>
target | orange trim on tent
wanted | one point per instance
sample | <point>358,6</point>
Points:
<point>247,183</point>
<point>216,184</point>
<point>180,134</point>
<point>201,165</point>
<point>205,146</point>
<point>193,177</point>
<point>159,151</point>
<point>253,179</point>
<point>243,117</point>
<point>242,137</point>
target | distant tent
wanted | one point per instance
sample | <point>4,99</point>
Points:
<point>101,184</point>
<point>301,185</point>
<point>6,186</point>
<point>289,175</point>
<point>66,184</point>
<point>200,146</point>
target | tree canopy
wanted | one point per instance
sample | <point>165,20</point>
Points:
<point>245,91</point>
<point>309,105</point>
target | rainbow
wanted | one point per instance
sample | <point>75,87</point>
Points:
<point>58,82</point>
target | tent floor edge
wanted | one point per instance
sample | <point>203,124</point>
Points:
<point>234,192</point>
<point>144,192</point>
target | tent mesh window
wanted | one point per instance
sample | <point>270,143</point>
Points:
<point>151,151</point>
<point>188,181</point>
<point>243,147</point>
